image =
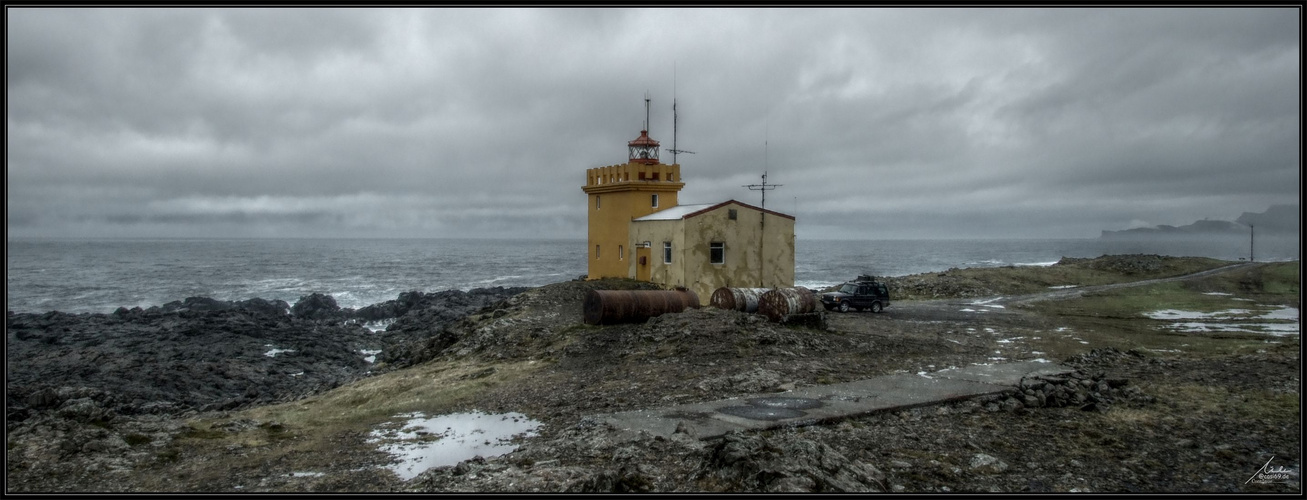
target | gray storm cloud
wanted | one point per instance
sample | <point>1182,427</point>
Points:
<point>879,123</point>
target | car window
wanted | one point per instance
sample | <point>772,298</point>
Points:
<point>849,289</point>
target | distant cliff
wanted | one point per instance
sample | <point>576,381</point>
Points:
<point>1276,220</point>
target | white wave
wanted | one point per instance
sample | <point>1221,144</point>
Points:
<point>1037,264</point>
<point>379,325</point>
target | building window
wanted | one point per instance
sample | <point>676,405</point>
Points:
<point>655,201</point>
<point>597,204</point>
<point>596,252</point>
<point>731,214</point>
<point>621,253</point>
<point>667,252</point>
<point>717,252</point>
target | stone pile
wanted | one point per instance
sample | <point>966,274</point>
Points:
<point>1079,389</point>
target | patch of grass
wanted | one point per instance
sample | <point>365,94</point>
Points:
<point>314,429</point>
<point>1021,280</point>
<point>1199,400</point>
<point>135,439</point>
<point>168,455</point>
<point>1282,278</point>
<point>197,430</point>
<point>1134,302</point>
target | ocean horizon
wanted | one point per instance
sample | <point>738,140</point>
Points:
<point>98,275</point>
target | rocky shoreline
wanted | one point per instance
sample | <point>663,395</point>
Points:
<point>201,354</point>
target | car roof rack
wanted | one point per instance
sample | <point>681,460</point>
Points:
<point>865,277</point>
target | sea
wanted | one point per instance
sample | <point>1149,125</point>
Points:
<point>101,275</point>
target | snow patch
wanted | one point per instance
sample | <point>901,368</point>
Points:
<point>422,443</point>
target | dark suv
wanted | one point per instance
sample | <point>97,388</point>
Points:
<point>863,293</point>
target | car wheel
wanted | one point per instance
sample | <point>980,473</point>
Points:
<point>844,307</point>
<point>876,307</point>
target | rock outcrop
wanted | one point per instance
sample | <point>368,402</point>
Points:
<point>206,354</point>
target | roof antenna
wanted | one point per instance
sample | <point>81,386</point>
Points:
<point>646,111</point>
<point>674,150</point>
<point>764,187</point>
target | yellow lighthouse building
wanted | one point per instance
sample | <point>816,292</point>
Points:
<point>620,193</point>
<point>638,229</point>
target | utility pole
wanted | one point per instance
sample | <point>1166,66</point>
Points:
<point>1251,240</point>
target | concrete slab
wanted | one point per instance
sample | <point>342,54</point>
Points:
<point>827,403</point>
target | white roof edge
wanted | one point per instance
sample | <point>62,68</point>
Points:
<point>676,212</point>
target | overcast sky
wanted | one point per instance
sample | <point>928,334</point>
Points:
<point>877,123</point>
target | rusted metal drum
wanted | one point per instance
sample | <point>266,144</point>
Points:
<point>737,299</point>
<point>606,307</point>
<point>779,303</point>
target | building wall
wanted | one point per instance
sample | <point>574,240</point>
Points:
<point>759,250</point>
<point>615,195</point>
<point>657,232</point>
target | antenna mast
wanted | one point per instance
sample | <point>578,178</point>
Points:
<point>646,111</point>
<point>674,151</point>
<point>764,187</point>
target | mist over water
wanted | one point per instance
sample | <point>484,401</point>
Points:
<point>100,275</point>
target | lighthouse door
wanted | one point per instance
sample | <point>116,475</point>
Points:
<point>642,263</point>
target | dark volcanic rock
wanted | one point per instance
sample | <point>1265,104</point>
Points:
<point>207,354</point>
<point>316,306</point>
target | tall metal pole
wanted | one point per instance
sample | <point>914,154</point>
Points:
<point>762,224</point>
<point>1251,238</point>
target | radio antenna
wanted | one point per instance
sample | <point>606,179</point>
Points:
<point>674,150</point>
<point>764,187</point>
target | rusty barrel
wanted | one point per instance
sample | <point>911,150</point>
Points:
<point>779,303</point>
<point>606,307</point>
<point>737,299</point>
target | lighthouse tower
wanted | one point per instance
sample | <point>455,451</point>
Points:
<point>620,193</point>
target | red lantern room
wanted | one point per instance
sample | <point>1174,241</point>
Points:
<point>643,149</point>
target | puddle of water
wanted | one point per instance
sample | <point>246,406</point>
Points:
<point>1178,314</point>
<point>1279,322</point>
<point>422,443</point>
<point>1284,312</point>
<point>1063,287</point>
